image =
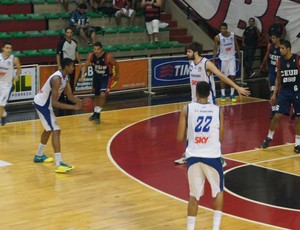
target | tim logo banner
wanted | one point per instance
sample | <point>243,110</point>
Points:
<point>175,71</point>
<point>170,71</point>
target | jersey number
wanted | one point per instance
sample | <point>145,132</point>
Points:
<point>203,124</point>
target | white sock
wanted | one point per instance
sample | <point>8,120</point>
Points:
<point>231,91</point>
<point>273,108</point>
<point>58,159</point>
<point>217,220</point>
<point>40,151</point>
<point>191,221</point>
<point>297,140</point>
<point>270,134</point>
<point>223,92</point>
<point>97,109</point>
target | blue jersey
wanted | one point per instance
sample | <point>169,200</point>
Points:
<point>274,55</point>
<point>290,79</point>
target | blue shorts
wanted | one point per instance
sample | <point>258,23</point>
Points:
<point>284,104</point>
<point>100,84</point>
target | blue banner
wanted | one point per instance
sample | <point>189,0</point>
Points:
<point>175,71</point>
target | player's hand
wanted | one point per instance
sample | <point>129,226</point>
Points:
<point>244,91</point>
<point>16,78</point>
<point>78,105</point>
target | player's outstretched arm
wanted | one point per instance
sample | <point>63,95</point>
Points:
<point>181,133</point>
<point>212,68</point>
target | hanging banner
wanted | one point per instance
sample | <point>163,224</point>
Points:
<point>25,88</point>
<point>236,14</point>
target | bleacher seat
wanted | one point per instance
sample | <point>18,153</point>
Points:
<point>47,52</point>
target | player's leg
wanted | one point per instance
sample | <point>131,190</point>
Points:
<point>196,179</point>
<point>214,174</point>
<point>96,86</point>
<point>4,95</point>
<point>282,107</point>
<point>296,105</point>
<point>222,84</point>
<point>232,73</point>
<point>45,117</point>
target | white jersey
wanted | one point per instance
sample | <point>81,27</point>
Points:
<point>44,96</point>
<point>203,135</point>
<point>226,47</point>
<point>198,73</point>
<point>6,70</point>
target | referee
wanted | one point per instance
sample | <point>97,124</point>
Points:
<point>67,48</point>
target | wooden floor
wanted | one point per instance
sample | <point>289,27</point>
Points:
<point>96,195</point>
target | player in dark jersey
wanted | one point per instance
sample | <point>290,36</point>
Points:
<point>269,62</point>
<point>287,88</point>
<point>103,64</point>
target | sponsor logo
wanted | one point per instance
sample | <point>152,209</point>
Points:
<point>201,140</point>
<point>172,71</point>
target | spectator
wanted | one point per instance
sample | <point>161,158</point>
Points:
<point>123,10</point>
<point>152,17</point>
<point>250,37</point>
<point>66,3</point>
<point>79,21</point>
<point>276,28</point>
<point>99,3</point>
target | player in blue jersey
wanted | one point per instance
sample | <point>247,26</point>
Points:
<point>286,91</point>
<point>201,124</point>
<point>269,62</point>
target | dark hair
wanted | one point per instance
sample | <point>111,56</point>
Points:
<point>68,28</point>
<point>66,62</point>
<point>252,19</point>
<point>7,43</point>
<point>98,44</point>
<point>202,89</point>
<point>82,6</point>
<point>276,34</point>
<point>195,47</point>
<point>224,24</point>
<point>286,44</point>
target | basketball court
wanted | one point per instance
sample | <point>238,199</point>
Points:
<point>125,176</point>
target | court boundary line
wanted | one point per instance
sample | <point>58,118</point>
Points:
<point>108,153</point>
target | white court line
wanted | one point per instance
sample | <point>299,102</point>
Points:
<point>159,191</point>
<point>4,163</point>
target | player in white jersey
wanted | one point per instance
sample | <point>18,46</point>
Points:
<point>202,69</point>
<point>7,64</point>
<point>226,44</point>
<point>201,123</point>
<point>44,102</point>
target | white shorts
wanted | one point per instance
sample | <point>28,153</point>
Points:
<point>4,93</point>
<point>228,67</point>
<point>123,12</point>
<point>198,172</point>
<point>47,117</point>
<point>153,26</point>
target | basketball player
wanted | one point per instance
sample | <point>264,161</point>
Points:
<point>44,102</point>
<point>201,69</point>
<point>287,89</point>
<point>103,63</point>
<point>226,44</point>
<point>7,64</point>
<point>269,62</point>
<point>201,123</point>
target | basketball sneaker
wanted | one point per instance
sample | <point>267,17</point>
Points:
<point>266,143</point>
<point>42,159</point>
<point>181,160</point>
<point>97,120</point>
<point>232,98</point>
<point>3,121</point>
<point>63,168</point>
<point>93,117</point>
<point>297,149</point>
<point>223,98</point>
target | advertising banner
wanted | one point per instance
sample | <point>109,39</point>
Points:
<point>25,88</point>
<point>133,75</point>
<point>175,70</point>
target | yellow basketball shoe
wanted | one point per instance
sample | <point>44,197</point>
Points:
<point>42,159</point>
<point>223,98</point>
<point>233,99</point>
<point>64,168</point>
